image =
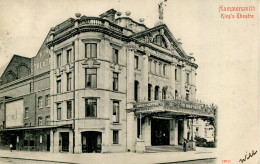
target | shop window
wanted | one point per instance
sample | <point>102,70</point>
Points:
<point>26,115</point>
<point>59,60</point>
<point>136,91</point>
<point>47,100</point>
<point>115,56</point>
<point>91,107</point>
<point>115,137</point>
<point>40,102</point>
<point>136,62</point>
<point>116,111</point>
<point>115,81</point>
<point>39,121</point>
<point>91,78</point>
<point>25,143</point>
<point>149,92</point>
<point>69,81</point>
<point>91,50</point>
<point>31,142</point>
<point>69,56</point>
<point>69,109</point>
<point>156,92</point>
<point>58,111</point>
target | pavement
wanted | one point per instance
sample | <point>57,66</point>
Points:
<point>113,158</point>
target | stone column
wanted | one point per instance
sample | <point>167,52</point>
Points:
<point>130,73</point>
<point>175,131</point>
<point>185,128</point>
<point>193,83</point>
<point>131,131</point>
<point>146,131</point>
<point>183,91</point>
<point>172,81</point>
<point>144,76</point>
<point>51,140</point>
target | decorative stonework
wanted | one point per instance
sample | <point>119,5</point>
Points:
<point>90,63</point>
<point>116,67</point>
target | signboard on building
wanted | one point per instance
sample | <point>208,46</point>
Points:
<point>42,61</point>
<point>14,114</point>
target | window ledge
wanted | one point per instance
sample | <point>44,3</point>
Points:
<point>116,123</point>
<point>26,118</point>
<point>40,108</point>
<point>116,145</point>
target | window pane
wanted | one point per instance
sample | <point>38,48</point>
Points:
<point>94,50</point>
<point>91,108</point>
<point>115,137</point>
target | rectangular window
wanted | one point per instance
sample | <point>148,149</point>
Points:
<point>116,111</point>
<point>59,86</point>
<point>39,121</point>
<point>91,50</point>
<point>47,120</point>
<point>58,60</point>
<point>58,111</point>
<point>150,66</point>
<point>187,78</point>
<point>91,108</point>
<point>115,56</point>
<point>115,81</point>
<point>26,115</point>
<point>40,102</point>
<point>160,68</point>
<point>69,56</point>
<point>25,143</point>
<point>136,62</point>
<point>47,100</point>
<point>164,70</point>
<point>187,97</point>
<point>115,137</point>
<point>91,78</point>
<point>155,67</point>
<point>69,109</point>
<point>69,77</point>
<point>176,74</point>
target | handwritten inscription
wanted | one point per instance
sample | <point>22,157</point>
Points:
<point>248,156</point>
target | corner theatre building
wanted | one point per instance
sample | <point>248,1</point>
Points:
<point>112,85</point>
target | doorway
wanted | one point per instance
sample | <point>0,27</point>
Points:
<point>48,142</point>
<point>160,132</point>
<point>180,132</point>
<point>64,141</point>
<point>91,142</point>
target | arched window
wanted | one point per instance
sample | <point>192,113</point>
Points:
<point>40,102</point>
<point>156,92</point>
<point>159,40</point>
<point>149,92</point>
<point>23,71</point>
<point>164,91</point>
<point>136,90</point>
<point>10,76</point>
<point>176,94</point>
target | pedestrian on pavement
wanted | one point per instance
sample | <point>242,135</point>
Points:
<point>184,145</point>
<point>11,147</point>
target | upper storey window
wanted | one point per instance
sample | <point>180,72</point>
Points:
<point>159,40</point>
<point>115,56</point>
<point>58,60</point>
<point>91,50</point>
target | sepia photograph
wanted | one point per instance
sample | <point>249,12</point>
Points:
<point>120,81</point>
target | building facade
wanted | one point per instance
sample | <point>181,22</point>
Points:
<point>103,84</point>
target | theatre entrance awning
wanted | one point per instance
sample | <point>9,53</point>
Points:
<point>170,108</point>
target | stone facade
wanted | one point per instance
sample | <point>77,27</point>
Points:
<point>100,84</point>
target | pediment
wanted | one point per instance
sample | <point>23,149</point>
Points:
<point>171,43</point>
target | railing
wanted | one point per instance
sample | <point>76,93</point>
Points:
<point>179,106</point>
<point>84,21</point>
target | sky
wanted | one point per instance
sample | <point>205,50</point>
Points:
<point>226,50</point>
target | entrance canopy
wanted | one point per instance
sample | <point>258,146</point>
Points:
<point>173,108</point>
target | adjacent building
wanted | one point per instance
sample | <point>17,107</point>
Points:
<point>100,84</point>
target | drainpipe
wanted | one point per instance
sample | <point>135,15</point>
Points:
<point>74,98</point>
